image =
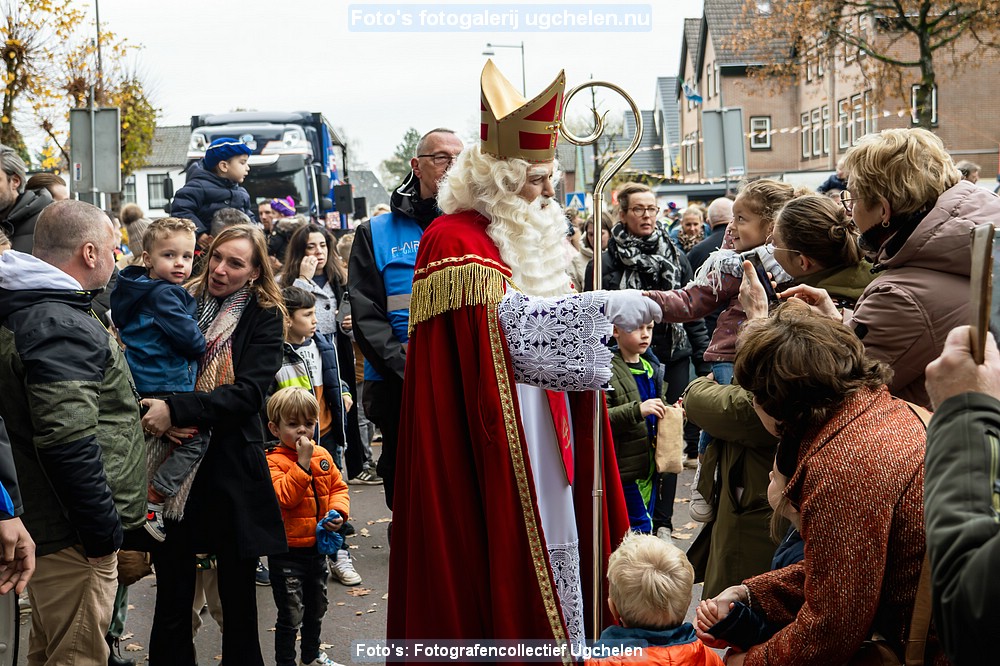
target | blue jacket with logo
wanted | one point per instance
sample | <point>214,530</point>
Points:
<point>157,322</point>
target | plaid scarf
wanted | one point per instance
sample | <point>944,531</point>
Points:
<point>217,319</point>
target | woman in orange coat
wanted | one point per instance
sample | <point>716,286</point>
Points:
<point>854,458</point>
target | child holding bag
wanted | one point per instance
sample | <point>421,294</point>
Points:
<point>635,406</point>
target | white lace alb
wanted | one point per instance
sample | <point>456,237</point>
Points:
<point>557,343</point>
<point>565,560</point>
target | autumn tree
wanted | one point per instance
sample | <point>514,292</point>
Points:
<point>51,65</point>
<point>899,41</point>
<point>394,169</point>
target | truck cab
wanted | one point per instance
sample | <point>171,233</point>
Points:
<point>295,154</point>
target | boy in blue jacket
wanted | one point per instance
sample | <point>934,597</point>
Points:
<point>156,319</point>
<point>215,185</point>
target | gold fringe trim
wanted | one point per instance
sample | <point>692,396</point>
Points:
<point>453,287</point>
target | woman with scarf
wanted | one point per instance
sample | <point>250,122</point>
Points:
<point>640,255</point>
<point>915,214</point>
<point>230,508</point>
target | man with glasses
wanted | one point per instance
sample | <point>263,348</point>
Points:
<point>379,282</point>
<point>19,209</point>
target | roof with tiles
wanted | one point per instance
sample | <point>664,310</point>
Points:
<point>726,19</point>
<point>170,144</point>
<point>646,158</point>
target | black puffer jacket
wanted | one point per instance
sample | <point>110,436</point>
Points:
<point>19,225</point>
<point>204,194</point>
<point>697,338</point>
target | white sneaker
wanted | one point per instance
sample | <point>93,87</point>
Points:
<point>342,569</point>
<point>664,534</point>
<point>321,660</point>
<point>699,509</point>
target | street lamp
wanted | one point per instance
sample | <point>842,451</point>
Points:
<point>489,52</point>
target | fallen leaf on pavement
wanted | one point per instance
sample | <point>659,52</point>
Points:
<point>376,547</point>
<point>681,535</point>
<point>325,646</point>
<point>339,603</point>
<point>359,591</point>
<point>691,526</point>
<point>353,547</point>
<point>359,613</point>
<point>384,520</point>
<point>371,610</point>
<point>364,532</point>
<point>681,500</point>
<point>126,636</point>
<point>385,596</point>
<point>134,647</point>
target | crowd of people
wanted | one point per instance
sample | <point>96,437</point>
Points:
<point>210,396</point>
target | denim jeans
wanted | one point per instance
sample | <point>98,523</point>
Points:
<point>298,584</point>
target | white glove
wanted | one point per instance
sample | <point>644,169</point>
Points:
<point>628,309</point>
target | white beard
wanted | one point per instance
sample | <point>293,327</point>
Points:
<point>530,238</point>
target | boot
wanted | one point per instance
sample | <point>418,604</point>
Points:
<point>115,657</point>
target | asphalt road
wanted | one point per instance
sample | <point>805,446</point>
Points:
<point>356,613</point>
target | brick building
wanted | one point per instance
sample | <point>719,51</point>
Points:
<point>808,126</point>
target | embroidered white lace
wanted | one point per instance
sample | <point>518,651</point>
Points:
<point>565,561</point>
<point>557,343</point>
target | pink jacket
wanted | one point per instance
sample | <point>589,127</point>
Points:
<point>905,314</point>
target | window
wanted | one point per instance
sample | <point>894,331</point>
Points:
<point>850,51</point>
<point>809,69</point>
<point>826,129</point>
<point>869,113</point>
<point>820,56</point>
<point>708,86</point>
<point>718,73</point>
<point>128,191</point>
<point>804,133</point>
<point>913,104</point>
<point>857,118</point>
<point>844,123</point>
<point>154,183</point>
<point>862,35</point>
<point>760,132</point>
<point>817,133</point>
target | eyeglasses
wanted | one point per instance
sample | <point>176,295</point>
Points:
<point>639,211</point>
<point>441,159</point>
<point>848,201</point>
<point>770,247</point>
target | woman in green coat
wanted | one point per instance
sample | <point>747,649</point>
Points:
<point>816,243</point>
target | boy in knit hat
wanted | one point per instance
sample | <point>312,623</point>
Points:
<point>214,186</point>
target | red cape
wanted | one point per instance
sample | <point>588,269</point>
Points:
<point>468,557</point>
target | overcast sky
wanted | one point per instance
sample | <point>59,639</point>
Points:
<point>376,69</point>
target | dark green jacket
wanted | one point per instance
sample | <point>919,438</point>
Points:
<point>962,517</point>
<point>71,413</point>
<point>737,545</point>
<point>628,426</point>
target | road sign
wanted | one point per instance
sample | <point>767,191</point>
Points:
<point>577,200</point>
<point>101,148</point>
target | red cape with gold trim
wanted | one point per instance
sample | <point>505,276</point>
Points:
<point>468,558</point>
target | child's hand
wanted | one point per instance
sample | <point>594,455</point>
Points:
<point>304,447</point>
<point>348,401</point>
<point>653,406</point>
<point>707,616</point>
<point>334,525</point>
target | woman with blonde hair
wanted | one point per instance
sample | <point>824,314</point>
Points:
<point>914,213</point>
<point>231,510</point>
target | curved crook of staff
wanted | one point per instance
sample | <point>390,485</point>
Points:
<point>606,176</point>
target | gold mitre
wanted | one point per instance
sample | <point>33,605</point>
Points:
<point>512,127</point>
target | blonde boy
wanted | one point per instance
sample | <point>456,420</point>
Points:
<point>157,321</point>
<point>311,494</point>
<point>650,590</point>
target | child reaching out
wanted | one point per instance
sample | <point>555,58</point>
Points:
<point>649,583</point>
<point>717,284</point>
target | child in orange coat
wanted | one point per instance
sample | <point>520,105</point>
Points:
<point>649,589</point>
<point>312,494</point>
